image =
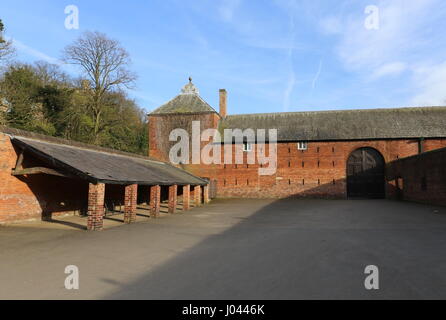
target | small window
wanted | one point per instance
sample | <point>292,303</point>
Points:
<point>247,146</point>
<point>302,145</point>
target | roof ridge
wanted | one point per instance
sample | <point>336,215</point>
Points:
<point>130,155</point>
<point>101,167</point>
<point>50,140</point>
<point>164,104</point>
<point>336,111</point>
<point>362,124</point>
<point>199,97</point>
<point>67,142</point>
<point>175,103</point>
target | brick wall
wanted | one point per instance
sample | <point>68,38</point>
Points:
<point>420,178</point>
<point>41,196</point>
<point>160,126</point>
<point>36,196</point>
<point>433,144</point>
<point>319,171</point>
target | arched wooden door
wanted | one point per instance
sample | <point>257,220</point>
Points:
<point>365,174</point>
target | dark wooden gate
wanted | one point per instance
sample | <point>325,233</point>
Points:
<point>365,174</point>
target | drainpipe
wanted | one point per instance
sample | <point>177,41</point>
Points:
<point>421,146</point>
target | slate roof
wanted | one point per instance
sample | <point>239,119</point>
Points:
<point>99,164</point>
<point>188,101</point>
<point>419,122</point>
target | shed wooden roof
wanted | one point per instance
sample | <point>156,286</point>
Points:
<point>98,165</point>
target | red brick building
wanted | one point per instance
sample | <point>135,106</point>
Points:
<point>329,154</point>
<point>375,153</point>
<point>43,177</point>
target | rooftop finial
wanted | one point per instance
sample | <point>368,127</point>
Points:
<point>189,88</point>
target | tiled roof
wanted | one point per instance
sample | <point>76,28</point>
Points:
<point>97,164</point>
<point>419,122</point>
<point>188,101</point>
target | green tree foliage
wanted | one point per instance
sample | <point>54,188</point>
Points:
<point>105,63</point>
<point>6,48</point>
<point>41,98</point>
<point>20,88</point>
<point>94,109</point>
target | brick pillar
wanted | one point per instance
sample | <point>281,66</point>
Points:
<point>197,195</point>
<point>206,194</point>
<point>96,194</point>
<point>186,197</point>
<point>155,201</point>
<point>173,198</point>
<point>131,193</point>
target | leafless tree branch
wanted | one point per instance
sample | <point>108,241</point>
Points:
<point>105,64</point>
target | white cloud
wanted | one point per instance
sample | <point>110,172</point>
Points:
<point>331,25</point>
<point>431,81</point>
<point>316,77</point>
<point>289,90</point>
<point>292,75</point>
<point>400,21</point>
<point>401,45</point>
<point>35,53</point>
<point>400,25</point>
<point>227,9</point>
<point>389,69</point>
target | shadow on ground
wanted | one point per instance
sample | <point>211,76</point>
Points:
<point>66,223</point>
<point>305,249</point>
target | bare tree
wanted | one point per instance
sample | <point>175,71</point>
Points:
<point>6,48</point>
<point>105,64</point>
<point>50,73</point>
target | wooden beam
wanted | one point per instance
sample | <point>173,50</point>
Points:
<point>18,165</point>
<point>37,170</point>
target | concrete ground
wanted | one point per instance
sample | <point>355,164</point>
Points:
<point>238,249</point>
<point>111,220</point>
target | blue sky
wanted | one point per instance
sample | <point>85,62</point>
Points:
<point>271,56</point>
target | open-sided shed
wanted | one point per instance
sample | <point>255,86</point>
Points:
<point>43,155</point>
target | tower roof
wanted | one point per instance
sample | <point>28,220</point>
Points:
<point>188,101</point>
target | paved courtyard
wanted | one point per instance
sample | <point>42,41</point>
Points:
<point>238,249</point>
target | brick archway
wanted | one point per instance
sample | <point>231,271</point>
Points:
<point>365,174</point>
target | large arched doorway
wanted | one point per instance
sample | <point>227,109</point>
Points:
<point>365,174</point>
